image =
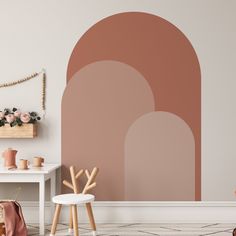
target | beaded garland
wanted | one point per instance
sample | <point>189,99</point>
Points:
<point>43,99</point>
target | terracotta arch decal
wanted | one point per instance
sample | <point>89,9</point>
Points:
<point>161,53</point>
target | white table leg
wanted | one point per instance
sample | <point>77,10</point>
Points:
<point>53,191</point>
<point>41,206</point>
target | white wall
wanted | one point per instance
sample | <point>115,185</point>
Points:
<point>42,34</point>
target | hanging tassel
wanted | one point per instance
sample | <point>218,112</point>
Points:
<point>44,94</point>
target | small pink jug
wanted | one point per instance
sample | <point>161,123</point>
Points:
<point>9,156</point>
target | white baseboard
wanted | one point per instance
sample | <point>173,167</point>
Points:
<point>144,212</point>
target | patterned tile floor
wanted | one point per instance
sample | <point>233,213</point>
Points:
<point>144,229</point>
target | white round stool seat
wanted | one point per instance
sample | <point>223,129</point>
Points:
<point>73,199</point>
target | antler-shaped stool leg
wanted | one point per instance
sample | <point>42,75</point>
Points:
<point>55,219</point>
<point>75,187</point>
<point>75,220</point>
<point>90,184</point>
<point>91,218</point>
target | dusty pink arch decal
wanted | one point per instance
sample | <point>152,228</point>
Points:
<point>159,159</point>
<point>99,104</point>
<point>161,53</point>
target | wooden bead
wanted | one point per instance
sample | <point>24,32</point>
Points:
<point>4,85</point>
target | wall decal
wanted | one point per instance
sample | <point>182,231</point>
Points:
<point>159,159</point>
<point>100,103</point>
<point>111,101</point>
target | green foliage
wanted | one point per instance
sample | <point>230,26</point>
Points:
<point>34,117</point>
<point>2,123</point>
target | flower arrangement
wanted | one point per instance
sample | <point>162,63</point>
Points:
<point>14,117</point>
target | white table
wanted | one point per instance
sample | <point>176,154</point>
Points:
<point>34,175</point>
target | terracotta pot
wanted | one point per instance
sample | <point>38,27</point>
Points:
<point>9,156</point>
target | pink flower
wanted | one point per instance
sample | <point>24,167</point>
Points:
<point>2,115</point>
<point>17,113</point>
<point>25,117</point>
<point>10,118</point>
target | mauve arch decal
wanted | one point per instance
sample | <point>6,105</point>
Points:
<point>99,104</point>
<point>165,58</point>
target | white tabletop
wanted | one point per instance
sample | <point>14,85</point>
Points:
<point>46,169</point>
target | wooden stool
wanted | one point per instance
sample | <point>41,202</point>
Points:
<point>75,199</point>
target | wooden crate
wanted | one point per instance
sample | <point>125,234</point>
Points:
<point>24,131</point>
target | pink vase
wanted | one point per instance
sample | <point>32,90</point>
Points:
<point>9,156</point>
